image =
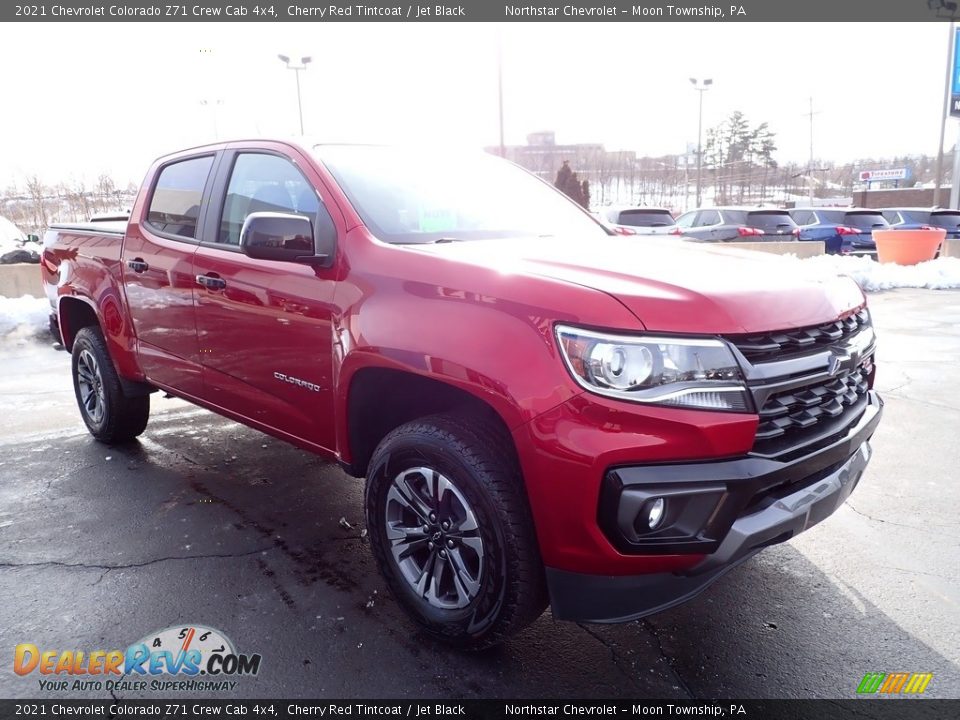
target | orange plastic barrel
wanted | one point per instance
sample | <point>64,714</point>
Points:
<point>908,247</point>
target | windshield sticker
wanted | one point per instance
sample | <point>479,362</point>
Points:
<point>433,220</point>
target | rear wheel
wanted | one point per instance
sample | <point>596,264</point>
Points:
<point>110,416</point>
<point>451,530</point>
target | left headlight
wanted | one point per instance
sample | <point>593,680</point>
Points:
<point>681,372</point>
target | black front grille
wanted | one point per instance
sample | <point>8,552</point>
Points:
<point>812,415</point>
<point>803,408</point>
<point>777,345</point>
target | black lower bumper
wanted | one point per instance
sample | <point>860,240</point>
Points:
<point>787,505</point>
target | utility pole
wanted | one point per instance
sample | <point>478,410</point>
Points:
<point>503,147</point>
<point>701,86</point>
<point>938,172</point>
<point>810,115</point>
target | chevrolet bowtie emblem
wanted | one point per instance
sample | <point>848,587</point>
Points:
<point>833,364</point>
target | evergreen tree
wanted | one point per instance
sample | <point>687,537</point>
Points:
<point>568,183</point>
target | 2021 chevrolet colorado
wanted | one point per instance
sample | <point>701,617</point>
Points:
<point>543,412</point>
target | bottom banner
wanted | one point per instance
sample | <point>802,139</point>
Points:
<point>886,709</point>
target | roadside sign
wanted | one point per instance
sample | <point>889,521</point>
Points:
<point>888,174</point>
<point>955,82</point>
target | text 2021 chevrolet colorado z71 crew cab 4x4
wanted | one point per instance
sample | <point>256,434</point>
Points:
<point>544,412</point>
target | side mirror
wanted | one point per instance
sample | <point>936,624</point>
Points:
<point>278,236</point>
<point>33,238</point>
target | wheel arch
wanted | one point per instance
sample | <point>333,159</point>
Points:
<point>380,399</point>
<point>76,312</point>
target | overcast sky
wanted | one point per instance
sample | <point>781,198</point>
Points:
<point>86,98</point>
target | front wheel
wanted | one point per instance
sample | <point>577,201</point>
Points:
<point>110,416</point>
<point>451,530</point>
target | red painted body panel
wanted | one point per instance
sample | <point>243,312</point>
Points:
<point>478,316</point>
<point>566,451</point>
<point>84,267</point>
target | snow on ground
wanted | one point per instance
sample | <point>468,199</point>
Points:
<point>940,274</point>
<point>23,317</point>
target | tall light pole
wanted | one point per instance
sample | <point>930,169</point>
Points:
<point>943,117</point>
<point>503,149</point>
<point>701,86</point>
<point>304,61</point>
<point>810,115</point>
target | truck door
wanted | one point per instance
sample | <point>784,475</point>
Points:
<point>157,266</point>
<point>264,326</point>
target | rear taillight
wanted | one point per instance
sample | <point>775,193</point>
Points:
<point>843,230</point>
<point>748,231</point>
<point>675,231</point>
<point>927,227</point>
<point>620,230</point>
<point>795,231</point>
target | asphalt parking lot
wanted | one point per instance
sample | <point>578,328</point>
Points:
<point>206,521</point>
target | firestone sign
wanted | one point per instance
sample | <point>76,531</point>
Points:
<point>955,82</point>
<point>888,174</point>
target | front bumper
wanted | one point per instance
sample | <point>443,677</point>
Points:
<point>773,501</point>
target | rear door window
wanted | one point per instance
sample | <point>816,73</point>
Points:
<point>175,204</point>
<point>686,220</point>
<point>828,217</point>
<point>708,218</point>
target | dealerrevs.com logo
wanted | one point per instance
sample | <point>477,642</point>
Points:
<point>180,658</point>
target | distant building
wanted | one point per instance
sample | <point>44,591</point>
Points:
<point>544,157</point>
<point>903,197</point>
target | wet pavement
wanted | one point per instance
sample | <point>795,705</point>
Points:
<point>204,521</point>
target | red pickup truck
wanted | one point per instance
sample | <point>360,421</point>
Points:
<point>544,412</point>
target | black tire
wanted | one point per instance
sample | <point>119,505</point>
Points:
<point>478,460</point>
<point>110,416</point>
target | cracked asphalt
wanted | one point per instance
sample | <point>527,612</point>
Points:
<point>204,521</point>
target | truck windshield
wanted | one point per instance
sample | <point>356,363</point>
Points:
<point>407,196</point>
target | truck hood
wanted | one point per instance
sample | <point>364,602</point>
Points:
<point>675,286</point>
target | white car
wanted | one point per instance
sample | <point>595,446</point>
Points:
<point>638,220</point>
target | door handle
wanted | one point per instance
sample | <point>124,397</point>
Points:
<point>211,282</point>
<point>137,265</point>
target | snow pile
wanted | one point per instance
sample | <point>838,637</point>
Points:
<point>23,317</point>
<point>940,274</point>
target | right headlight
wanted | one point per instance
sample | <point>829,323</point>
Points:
<point>681,372</point>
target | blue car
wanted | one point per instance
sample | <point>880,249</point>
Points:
<point>844,231</point>
<point>924,219</point>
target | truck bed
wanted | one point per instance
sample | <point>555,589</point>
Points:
<point>107,227</point>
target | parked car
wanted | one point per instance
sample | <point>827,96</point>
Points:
<point>725,224</point>
<point>638,220</point>
<point>17,247</point>
<point>925,218</point>
<point>544,413</point>
<point>843,231</point>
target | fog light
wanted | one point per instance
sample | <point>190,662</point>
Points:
<point>655,513</point>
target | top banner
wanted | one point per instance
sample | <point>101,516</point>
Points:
<point>483,11</point>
